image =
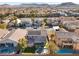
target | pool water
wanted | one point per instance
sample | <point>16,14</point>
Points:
<point>39,50</point>
<point>7,51</point>
<point>66,51</point>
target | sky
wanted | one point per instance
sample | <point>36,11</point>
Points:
<point>13,2</point>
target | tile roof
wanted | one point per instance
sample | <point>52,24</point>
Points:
<point>17,34</point>
<point>76,31</point>
<point>37,32</point>
<point>3,32</point>
<point>67,35</point>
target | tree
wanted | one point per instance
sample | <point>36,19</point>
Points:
<point>22,44</point>
<point>45,21</point>
<point>14,18</point>
<point>33,14</point>
<point>52,46</point>
<point>3,25</point>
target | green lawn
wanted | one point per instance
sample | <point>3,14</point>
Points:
<point>29,50</point>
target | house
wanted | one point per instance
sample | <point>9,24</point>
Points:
<point>67,40</point>
<point>75,14</point>
<point>76,32</point>
<point>72,25</point>
<point>67,19</point>
<point>14,23</point>
<point>52,22</point>
<point>69,27</point>
<point>13,37</point>
<point>36,23</point>
<point>26,22</point>
<point>9,40</point>
<point>63,14</point>
<point>36,37</point>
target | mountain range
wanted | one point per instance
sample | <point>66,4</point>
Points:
<point>62,5</point>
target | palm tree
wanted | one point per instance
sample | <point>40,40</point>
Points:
<point>52,46</point>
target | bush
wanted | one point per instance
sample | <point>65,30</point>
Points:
<point>3,25</point>
<point>29,50</point>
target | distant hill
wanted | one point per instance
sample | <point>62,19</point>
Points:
<point>62,5</point>
<point>6,6</point>
<point>34,5</point>
<point>68,5</point>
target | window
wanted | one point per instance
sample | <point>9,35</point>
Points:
<point>10,44</point>
<point>2,45</point>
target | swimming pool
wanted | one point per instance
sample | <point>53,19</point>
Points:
<point>39,50</point>
<point>7,51</point>
<point>66,51</point>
